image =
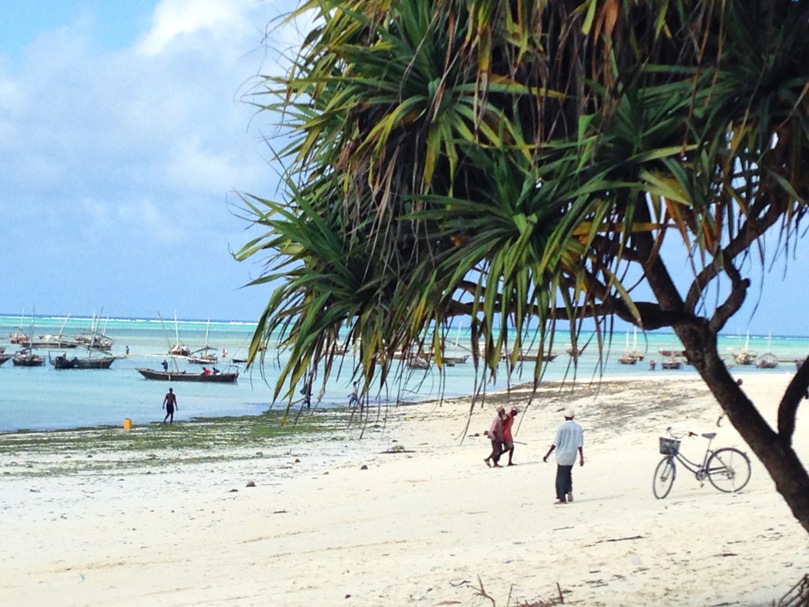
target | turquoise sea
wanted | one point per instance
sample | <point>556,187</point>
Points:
<point>45,398</point>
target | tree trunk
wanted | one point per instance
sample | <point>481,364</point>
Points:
<point>773,450</point>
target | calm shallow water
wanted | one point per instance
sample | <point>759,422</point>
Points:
<point>44,398</point>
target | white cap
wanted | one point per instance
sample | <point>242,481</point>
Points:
<point>570,413</point>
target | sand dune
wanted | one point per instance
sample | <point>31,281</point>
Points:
<point>423,525</point>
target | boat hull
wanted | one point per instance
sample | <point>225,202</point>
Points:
<point>212,378</point>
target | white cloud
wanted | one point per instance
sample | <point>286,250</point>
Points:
<point>178,21</point>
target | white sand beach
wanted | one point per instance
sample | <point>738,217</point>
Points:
<point>341,522</point>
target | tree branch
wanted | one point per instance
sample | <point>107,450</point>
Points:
<point>734,300</point>
<point>788,407</point>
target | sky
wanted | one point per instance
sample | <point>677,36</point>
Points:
<point>126,137</point>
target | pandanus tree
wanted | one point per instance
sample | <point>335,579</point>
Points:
<point>529,165</point>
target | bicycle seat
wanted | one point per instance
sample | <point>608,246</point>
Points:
<point>709,435</point>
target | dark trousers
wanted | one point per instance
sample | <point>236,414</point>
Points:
<point>497,450</point>
<point>564,481</point>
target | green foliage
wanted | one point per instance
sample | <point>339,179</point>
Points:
<point>522,164</point>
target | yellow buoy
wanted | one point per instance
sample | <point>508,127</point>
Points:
<point>127,423</point>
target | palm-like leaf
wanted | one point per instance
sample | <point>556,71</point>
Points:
<point>522,163</point>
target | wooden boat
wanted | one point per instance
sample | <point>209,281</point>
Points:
<point>61,361</point>
<point>767,361</point>
<point>5,357</point>
<point>206,355</point>
<point>56,342</point>
<point>530,355</point>
<point>26,358</point>
<point>94,339</point>
<point>447,359</point>
<point>631,355</point>
<point>667,352</point>
<point>671,364</point>
<point>745,356</point>
<point>418,362</point>
<point>455,360</point>
<point>2,349</point>
<point>19,338</point>
<point>202,359</point>
<point>213,378</point>
<point>574,352</point>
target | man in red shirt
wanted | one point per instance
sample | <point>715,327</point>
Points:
<point>508,440</point>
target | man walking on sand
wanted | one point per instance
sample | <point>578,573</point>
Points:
<point>508,439</point>
<point>170,404</point>
<point>496,436</point>
<point>568,440</point>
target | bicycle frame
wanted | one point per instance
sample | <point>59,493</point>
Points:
<point>696,469</point>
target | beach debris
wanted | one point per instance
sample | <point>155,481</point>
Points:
<point>557,600</point>
<point>250,484</point>
<point>619,539</point>
<point>363,467</point>
<point>233,491</point>
<point>797,596</point>
<point>398,449</point>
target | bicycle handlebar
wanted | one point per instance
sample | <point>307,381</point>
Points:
<point>679,436</point>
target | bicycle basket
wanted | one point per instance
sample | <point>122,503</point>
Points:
<point>669,446</point>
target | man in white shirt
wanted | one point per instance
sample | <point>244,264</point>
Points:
<point>568,441</point>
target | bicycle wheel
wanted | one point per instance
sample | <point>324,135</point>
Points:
<point>728,469</point>
<point>664,477</point>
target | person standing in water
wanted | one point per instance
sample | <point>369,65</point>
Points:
<point>170,404</point>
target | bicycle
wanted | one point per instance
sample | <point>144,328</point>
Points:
<point>727,469</point>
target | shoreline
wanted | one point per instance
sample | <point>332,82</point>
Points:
<point>408,514</point>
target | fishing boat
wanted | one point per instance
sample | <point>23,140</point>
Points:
<point>529,355</point>
<point>4,357</point>
<point>212,378</point>
<point>95,339</point>
<point>19,338</point>
<point>672,363</point>
<point>745,356</point>
<point>767,361</point>
<point>574,351</point>
<point>206,355</point>
<point>418,362</point>
<point>631,356</point>
<point>59,341</point>
<point>203,357</point>
<point>27,358</point>
<point>62,361</point>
